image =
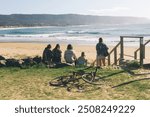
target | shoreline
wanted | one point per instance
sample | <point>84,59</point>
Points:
<point>47,40</point>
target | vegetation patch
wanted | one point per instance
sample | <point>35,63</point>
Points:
<point>33,83</point>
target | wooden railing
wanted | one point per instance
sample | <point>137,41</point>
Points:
<point>121,58</point>
<point>114,50</point>
<point>135,53</point>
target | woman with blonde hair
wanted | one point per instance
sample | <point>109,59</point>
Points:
<point>69,55</point>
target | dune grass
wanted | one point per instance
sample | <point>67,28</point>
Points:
<point>32,84</point>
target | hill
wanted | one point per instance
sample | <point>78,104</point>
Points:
<point>65,19</point>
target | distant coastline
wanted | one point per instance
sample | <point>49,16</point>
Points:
<point>32,20</point>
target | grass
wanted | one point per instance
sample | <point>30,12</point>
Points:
<point>32,84</point>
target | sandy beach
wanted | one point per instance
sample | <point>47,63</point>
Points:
<point>21,50</point>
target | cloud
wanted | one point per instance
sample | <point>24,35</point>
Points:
<point>110,11</point>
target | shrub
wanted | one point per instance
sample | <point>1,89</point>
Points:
<point>133,64</point>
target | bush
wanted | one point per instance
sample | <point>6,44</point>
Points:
<point>133,64</point>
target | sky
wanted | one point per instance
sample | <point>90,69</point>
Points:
<point>137,8</point>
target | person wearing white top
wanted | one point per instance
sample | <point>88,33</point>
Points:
<point>69,55</point>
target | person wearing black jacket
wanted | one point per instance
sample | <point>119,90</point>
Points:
<point>102,52</point>
<point>57,54</point>
<point>47,55</point>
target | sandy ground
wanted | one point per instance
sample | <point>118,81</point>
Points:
<point>21,50</point>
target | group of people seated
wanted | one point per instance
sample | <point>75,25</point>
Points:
<point>54,56</point>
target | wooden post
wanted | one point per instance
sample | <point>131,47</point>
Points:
<point>115,56</point>
<point>135,55</point>
<point>109,59</point>
<point>121,50</point>
<point>141,51</point>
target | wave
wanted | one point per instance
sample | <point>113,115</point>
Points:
<point>86,32</point>
<point>34,27</point>
<point>52,34</point>
<point>18,35</point>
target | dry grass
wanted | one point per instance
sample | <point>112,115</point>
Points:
<point>16,83</point>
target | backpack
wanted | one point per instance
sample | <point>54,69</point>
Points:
<point>103,50</point>
<point>106,53</point>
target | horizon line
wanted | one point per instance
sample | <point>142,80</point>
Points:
<point>74,14</point>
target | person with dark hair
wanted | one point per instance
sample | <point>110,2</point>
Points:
<point>57,54</point>
<point>82,61</point>
<point>47,55</point>
<point>69,55</point>
<point>102,52</point>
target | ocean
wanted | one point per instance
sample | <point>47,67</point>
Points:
<point>82,34</point>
